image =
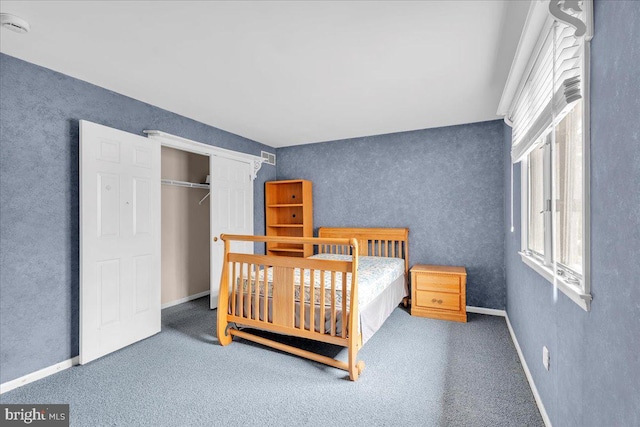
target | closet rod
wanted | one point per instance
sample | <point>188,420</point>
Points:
<point>184,184</point>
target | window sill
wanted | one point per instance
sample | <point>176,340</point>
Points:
<point>575,293</point>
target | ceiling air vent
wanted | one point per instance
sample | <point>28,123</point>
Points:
<point>269,158</point>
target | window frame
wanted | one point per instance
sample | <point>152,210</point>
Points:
<point>563,278</point>
<point>544,144</point>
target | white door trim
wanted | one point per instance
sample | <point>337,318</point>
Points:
<point>180,143</point>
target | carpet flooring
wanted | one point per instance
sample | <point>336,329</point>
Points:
<point>419,372</point>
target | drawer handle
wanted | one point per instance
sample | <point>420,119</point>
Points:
<point>439,301</point>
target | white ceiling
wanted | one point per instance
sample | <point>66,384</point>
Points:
<point>285,73</point>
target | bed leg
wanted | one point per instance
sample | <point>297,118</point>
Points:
<point>355,368</point>
<point>355,372</point>
<point>224,337</point>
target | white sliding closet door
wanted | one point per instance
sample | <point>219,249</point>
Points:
<point>119,239</point>
<point>231,212</point>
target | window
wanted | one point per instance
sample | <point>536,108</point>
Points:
<point>568,188</point>
<point>554,200</point>
<point>548,109</point>
<point>537,200</point>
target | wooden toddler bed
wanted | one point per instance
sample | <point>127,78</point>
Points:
<point>341,295</point>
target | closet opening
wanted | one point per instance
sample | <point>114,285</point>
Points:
<point>149,238</point>
<point>185,247</point>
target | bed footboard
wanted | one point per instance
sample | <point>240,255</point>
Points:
<point>309,298</point>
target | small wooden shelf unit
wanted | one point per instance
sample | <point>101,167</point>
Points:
<point>439,292</point>
<point>289,213</point>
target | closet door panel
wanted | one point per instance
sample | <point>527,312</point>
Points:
<point>109,284</point>
<point>142,273</point>
<point>119,239</point>
<point>108,205</point>
<point>231,212</point>
<point>142,220</point>
<point>109,151</point>
<point>143,157</point>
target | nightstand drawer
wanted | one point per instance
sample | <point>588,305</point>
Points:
<point>438,282</point>
<point>439,300</point>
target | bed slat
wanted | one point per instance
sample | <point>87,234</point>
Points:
<point>265,295</point>
<point>302,299</point>
<point>322,303</point>
<point>256,286</point>
<point>333,303</point>
<point>312,299</point>
<point>241,291</point>
<point>343,328</point>
<point>234,283</point>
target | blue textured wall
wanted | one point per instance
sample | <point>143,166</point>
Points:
<point>594,378</point>
<point>444,184</point>
<point>39,113</point>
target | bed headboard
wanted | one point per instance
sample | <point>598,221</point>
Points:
<point>384,242</point>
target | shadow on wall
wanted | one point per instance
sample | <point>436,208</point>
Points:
<point>74,236</point>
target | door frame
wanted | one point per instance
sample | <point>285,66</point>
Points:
<point>184,144</point>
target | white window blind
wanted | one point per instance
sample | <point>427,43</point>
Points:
<point>553,84</point>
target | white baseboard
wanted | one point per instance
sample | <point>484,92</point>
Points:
<point>536,395</point>
<point>186,299</point>
<point>38,375</point>
<point>489,311</point>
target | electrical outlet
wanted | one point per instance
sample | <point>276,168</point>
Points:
<point>545,357</point>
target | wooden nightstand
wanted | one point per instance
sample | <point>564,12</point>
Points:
<point>439,292</point>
